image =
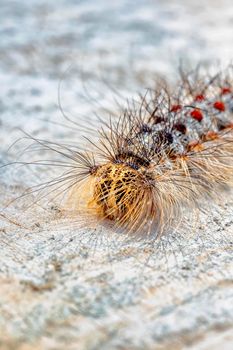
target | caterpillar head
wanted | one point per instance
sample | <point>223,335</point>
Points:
<point>122,194</point>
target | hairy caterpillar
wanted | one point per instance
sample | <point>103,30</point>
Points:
<point>169,149</point>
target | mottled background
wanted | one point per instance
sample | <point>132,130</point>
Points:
<point>71,284</point>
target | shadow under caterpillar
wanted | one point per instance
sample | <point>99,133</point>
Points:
<point>169,149</point>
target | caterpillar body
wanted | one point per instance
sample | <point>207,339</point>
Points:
<point>169,149</point>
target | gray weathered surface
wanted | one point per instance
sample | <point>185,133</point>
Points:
<point>57,289</point>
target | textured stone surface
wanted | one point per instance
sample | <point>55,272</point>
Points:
<point>71,283</point>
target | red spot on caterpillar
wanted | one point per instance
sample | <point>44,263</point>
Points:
<point>219,105</point>
<point>225,91</point>
<point>199,98</point>
<point>197,115</point>
<point>175,108</point>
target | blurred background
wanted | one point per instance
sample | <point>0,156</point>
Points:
<point>42,37</point>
